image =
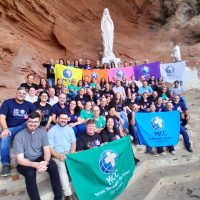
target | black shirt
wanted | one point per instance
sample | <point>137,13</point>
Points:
<point>50,70</point>
<point>27,87</point>
<point>108,136</point>
<point>86,141</point>
<point>46,112</point>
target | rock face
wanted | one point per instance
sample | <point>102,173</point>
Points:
<point>32,31</point>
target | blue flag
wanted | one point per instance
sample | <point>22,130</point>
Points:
<point>159,128</point>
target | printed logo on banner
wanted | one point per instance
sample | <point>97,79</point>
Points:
<point>94,75</point>
<point>67,73</point>
<point>120,73</point>
<point>170,70</point>
<point>157,123</point>
<point>108,161</point>
<point>145,70</point>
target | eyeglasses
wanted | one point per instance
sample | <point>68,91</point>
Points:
<point>33,122</point>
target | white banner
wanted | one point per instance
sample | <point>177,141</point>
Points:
<point>173,71</point>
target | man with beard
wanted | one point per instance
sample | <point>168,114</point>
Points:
<point>90,139</point>
<point>13,115</point>
<point>62,141</point>
<point>31,147</point>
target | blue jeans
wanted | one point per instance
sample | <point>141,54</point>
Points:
<point>5,143</point>
<point>134,133</point>
<point>125,119</point>
<point>186,139</point>
<point>51,82</point>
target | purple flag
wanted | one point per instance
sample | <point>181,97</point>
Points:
<point>120,72</point>
<point>147,70</point>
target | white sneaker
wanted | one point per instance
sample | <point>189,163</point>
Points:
<point>163,154</point>
<point>173,152</point>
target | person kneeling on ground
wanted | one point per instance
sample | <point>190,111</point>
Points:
<point>31,147</point>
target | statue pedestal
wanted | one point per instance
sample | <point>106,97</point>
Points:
<point>111,59</point>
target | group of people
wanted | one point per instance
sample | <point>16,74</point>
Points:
<point>49,121</point>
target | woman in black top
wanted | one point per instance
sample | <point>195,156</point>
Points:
<point>43,107</point>
<point>110,132</point>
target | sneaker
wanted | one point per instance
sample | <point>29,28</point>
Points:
<point>189,149</point>
<point>163,154</point>
<point>153,153</point>
<point>5,170</point>
<point>173,152</point>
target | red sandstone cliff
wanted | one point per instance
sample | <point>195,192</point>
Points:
<point>32,31</point>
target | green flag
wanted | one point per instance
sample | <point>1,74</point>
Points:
<point>103,172</point>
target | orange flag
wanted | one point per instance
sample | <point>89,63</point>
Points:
<point>96,73</point>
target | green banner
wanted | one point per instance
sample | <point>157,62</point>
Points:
<point>103,172</point>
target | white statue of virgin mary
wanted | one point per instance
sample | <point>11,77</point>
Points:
<point>107,30</point>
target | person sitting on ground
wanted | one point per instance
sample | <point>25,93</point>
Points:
<point>181,107</point>
<point>31,95</point>
<point>119,89</point>
<point>73,89</point>
<point>43,108</point>
<point>58,86</point>
<point>65,91</point>
<point>111,133</point>
<point>29,82</point>
<point>145,89</point>
<point>52,98</point>
<point>32,151</point>
<point>183,132</point>
<point>86,83</point>
<point>43,85</point>
<point>107,90</point>
<point>178,90</point>
<point>62,142</point>
<point>90,139</point>
<point>144,102</point>
<point>160,105</point>
<point>93,83</point>
<point>80,84</point>
<point>100,120</point>
<point>58,108</point>
<point>154,97</point>
<point>81,98</point>
<point>102,83</point>
<point>13,115</point>
<point>103,106</point>
<point>73,115</point>
<point>132,88</point>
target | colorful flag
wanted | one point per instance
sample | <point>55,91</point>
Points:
<point>96,73</point>
<point>173,71</point>
<point>103,172</point>
<point>159,128</point>
<point>67,74</point>
<point>120,72</point>
<point>147,70</point>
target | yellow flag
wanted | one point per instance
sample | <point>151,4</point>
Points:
<point>67,74</point>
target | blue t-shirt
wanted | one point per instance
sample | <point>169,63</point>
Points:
<point>72,117</point>
<point>181,105</point>
<point>56,109</point>
<point>16,114</point>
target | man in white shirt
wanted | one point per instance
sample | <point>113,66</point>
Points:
<point>53,99</point>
